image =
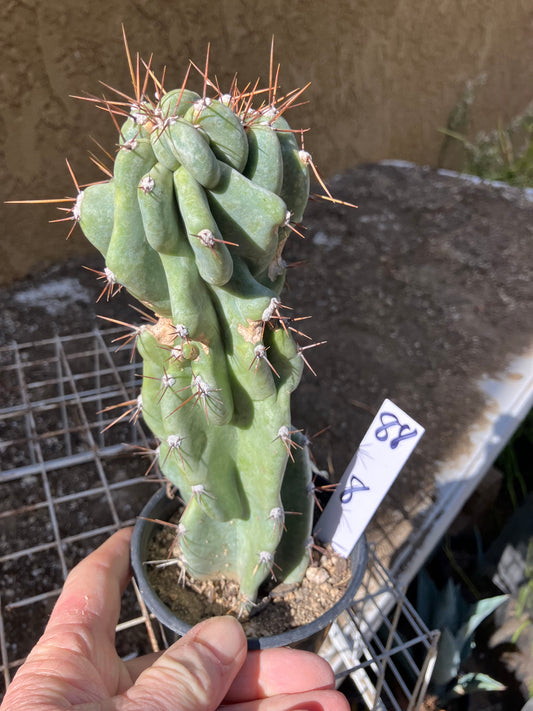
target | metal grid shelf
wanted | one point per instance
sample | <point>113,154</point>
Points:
<point>382,644</point>
<point>67,481</point>
<point>65,485</point>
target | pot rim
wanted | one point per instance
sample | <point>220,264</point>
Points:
<point>162,507</point>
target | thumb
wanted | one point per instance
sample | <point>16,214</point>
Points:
<point>195,673</point>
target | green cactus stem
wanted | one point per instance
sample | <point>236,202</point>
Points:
<point>203,196</point>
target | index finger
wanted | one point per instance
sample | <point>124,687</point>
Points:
<point>93,589</point>
<point>271,672</point>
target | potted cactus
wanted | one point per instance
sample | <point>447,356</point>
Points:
<point>204,193</point>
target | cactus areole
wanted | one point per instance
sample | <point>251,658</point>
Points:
<point>203,195</point>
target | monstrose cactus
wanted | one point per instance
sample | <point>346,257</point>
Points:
<point>203,196</point>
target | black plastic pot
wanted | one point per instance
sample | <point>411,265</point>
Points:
<point>309,636</point>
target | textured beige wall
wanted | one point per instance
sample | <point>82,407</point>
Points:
<point>385,75</point>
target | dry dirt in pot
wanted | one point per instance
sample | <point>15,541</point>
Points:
<point>279,608</point>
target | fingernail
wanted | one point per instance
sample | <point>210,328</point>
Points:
<point>224,636</point>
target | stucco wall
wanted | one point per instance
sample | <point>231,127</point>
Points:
<point>385,75</point>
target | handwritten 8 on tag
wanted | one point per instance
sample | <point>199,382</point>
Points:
<point>385,448</point>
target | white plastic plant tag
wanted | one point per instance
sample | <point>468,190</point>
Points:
<point>385,448</point>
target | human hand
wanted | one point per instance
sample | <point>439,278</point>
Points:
<point>75,665</point>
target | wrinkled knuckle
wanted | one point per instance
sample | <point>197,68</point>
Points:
<point>194,679</point>
<point>197,673</point>
<point>71,637</point>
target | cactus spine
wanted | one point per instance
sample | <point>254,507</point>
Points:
<point>192,223</point>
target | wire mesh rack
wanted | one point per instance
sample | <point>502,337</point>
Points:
<point>382,645</point>
<point>68,480</point>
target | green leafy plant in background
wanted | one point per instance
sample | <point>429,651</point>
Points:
<point>457,620</point>
<point>504,154</point>
<point>524,602</point>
